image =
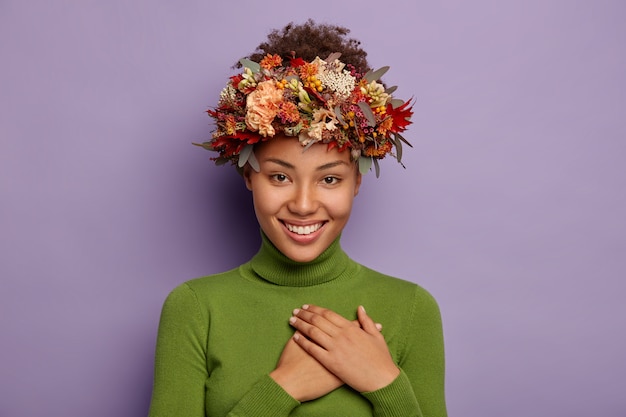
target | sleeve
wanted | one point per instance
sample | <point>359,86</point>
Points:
<point>180,370</point>
<point>265,399</point>
<point>419,389</point>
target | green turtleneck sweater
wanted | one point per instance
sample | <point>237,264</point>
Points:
<point>220,336</point>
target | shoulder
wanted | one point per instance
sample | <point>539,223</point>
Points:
<point>401,297</point>
<point>215,280</point>
<point>197,290</point>
<point>387,283</point>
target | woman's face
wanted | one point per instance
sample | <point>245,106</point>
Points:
<point>302,199</point>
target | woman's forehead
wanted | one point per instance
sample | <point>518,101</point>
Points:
<point>290,149</point>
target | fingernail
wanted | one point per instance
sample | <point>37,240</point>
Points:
<point>292,320</point>
<point>305,307</point>
<point>379,326</point>
<point>296,337</point>
<point>296,311</point>
<point>363,309</point>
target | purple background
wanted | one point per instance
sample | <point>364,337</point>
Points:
<point>511,209</point>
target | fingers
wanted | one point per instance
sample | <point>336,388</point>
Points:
<point>354,351</point>
<point>301,375</point>
<point>358,324</point>
<point>329,317</point>
<point>320,331</point>
<point>317,322</point>
<point>320,325</point>
<point>366,322</point>
<point>309,310</point>
<point>308,346</point>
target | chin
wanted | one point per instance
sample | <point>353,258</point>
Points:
<point>302,248</point>
<point>302,255</point>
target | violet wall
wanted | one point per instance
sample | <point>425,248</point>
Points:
<point>510,211</point>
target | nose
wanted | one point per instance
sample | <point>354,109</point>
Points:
<point>303,201</point>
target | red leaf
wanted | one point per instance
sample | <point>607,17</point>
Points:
<point>334,144</point>
<point>236,79</point>
<point>400,116</point>
<point>297,62</point>
<point>315,94</point>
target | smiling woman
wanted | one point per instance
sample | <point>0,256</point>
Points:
<point>302,199</point>
<point>302,134</point>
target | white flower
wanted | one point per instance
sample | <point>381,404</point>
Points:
<point>323,119</point>
<point>342,83</point>
<point>227,95</point>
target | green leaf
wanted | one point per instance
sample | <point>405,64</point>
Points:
<point>244,155</point>
<point>398,144</point>
<point>376,167</point>
<point>375,75</point>
<point>339,116</point>
<point>254,163</point>
<point>367,111</point>
<point>205,145</point>
<point>396,102</point>
<point>391,89</point>
<point>365,163</point>
<point>308,145</point>
<point>403,140</point>
<point>293,130</point>
<point>253,66</point>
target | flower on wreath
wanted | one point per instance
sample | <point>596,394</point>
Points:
<point>378,152</point>
<point>288,112</point>
<point>263,106</point>
<point>270,61</point>
<point>307,70</point>
<point>320,101</point>
<point>324,120</point>
<point>400,116</point>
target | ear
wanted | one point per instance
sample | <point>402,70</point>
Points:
<point>357,184</point>
<point>247,173</point>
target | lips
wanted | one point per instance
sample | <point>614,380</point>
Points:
<point>304,230</point>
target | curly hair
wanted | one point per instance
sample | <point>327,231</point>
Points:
<point>311,39</point>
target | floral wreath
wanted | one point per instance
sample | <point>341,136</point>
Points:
<point>322,101</point>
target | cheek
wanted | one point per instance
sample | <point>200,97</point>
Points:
<point>341,208</point>
<point>347,208</point>
<point>265,201</point>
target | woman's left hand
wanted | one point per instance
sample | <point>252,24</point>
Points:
<point>358,355</point>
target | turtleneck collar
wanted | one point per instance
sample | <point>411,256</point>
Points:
<point>271,265</point>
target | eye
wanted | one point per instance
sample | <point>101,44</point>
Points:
<point>331,180</point>
<point>279,177</point>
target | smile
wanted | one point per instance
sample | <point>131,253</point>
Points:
<point>304,230</point>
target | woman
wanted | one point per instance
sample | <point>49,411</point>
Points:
<point>287,334</point>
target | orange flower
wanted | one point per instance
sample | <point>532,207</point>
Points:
<point>288,112</point>
<point>307,70</point>
<point>262,106</point>
<point>270,61</point>
<point>230,125</point>
<point>380,152</point>
<point>384,126</point>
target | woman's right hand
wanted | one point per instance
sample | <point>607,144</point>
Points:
<point>302,376</point>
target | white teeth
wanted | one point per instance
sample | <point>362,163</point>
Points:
<point>303,230</point>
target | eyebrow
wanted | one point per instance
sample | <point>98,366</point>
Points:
<point>331,165</point>
<point>319,168</point>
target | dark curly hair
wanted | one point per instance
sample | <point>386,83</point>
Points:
<point>311,39</point>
